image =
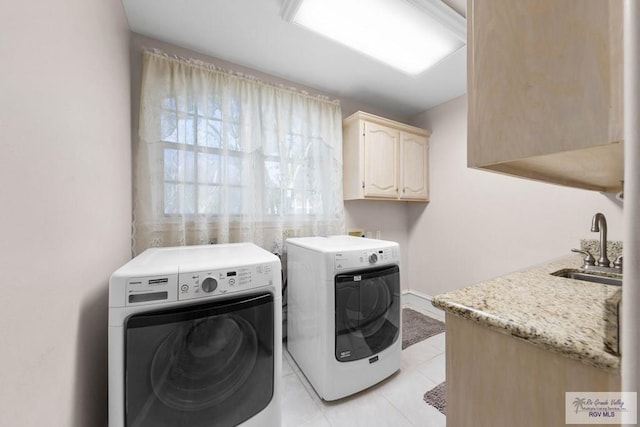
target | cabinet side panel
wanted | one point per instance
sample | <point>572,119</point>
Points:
<point>616,44</point>
<point>541,77</point>
<point>497,380</point>
<point>351,168</point>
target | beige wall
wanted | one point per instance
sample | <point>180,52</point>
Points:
<point>66,208</point>
<point>388,217</point>
<point>480,224</point>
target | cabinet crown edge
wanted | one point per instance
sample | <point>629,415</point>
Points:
<point>361,115</point>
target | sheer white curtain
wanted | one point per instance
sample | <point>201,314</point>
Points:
<point>223,157</point>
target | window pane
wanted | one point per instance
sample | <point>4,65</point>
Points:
<point>169,130</point>
<point>178,165</point>
<point>209,133</point>
<point>233,110</point>
<point>298,176</point>
<point>273,201</point>
<point>189,204</point>
<point>208,199</point>
<point>235,172</point>
<point>232,136</point>
<point>178,120</point>
<point>271,146</point>
<point>290,202</point>
<point>213,108</point>
<point>272,174</point>
<point>171,166</point>
<point>295,147</point>
<point>171,203</point>
<point>312,202</point>
<point>235,200</point>
<point>179,199</point>
<point>209,168</point>
<point>297,202</point>
<point>186,127</point>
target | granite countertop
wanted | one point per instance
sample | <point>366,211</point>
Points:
<point>559,314</point>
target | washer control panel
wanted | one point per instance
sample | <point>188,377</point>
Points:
<point>201,284</point>
<point>354,259</point>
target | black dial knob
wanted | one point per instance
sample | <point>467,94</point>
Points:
<point>373,258</point>
<point>209,284</point>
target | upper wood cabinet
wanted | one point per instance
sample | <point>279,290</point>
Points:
<point>384,159</point>
<point>545,90</point>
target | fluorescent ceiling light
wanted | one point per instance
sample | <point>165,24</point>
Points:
<point>402,34</point>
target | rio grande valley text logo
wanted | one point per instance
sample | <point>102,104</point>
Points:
<point>597,408</point>
<point>600,408</point>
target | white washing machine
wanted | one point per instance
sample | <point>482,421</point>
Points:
<point>195,338</point>
<point>344,325</point>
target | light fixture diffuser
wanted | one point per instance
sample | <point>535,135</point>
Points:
<point>397,32</point>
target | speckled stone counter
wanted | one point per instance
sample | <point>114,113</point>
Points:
<point>612,327</point>
<point>559,314</point>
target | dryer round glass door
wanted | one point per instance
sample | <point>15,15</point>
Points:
<point>367,312</point>
<point>188,366</point>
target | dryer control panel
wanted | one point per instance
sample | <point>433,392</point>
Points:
<point>356,258</point>
<point>197,284</point>
<point>201,284</point>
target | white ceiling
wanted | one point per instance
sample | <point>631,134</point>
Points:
<point>251,33</point>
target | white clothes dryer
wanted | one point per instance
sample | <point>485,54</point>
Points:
<point>195,338</point>
<point>344,316</point>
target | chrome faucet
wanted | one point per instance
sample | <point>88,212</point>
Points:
<point>599,223</point>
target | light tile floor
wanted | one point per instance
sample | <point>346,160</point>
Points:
<point>396,401</point>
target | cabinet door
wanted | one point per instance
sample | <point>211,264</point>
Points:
<point>414,167</point>
<point>380,161</point>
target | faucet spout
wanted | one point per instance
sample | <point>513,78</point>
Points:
<point>599,223</point>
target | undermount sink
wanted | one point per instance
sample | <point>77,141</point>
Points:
<point>611,314</point>
<point>591,276</point>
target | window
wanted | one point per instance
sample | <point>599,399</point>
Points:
<point>224,158</point>
<point>202,156</point>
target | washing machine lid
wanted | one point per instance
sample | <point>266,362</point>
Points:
<point>340,243</point>
<point>171,260</point>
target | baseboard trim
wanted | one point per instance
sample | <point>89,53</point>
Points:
<point>422,301</point>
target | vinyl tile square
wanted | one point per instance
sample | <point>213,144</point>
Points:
<point>299,407</point>
<point>320,421</point>
<point>418,353</point>
<point>438,341</point>
<point>406,393</point>
<point>434,369</point>
<point>368,409</point>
